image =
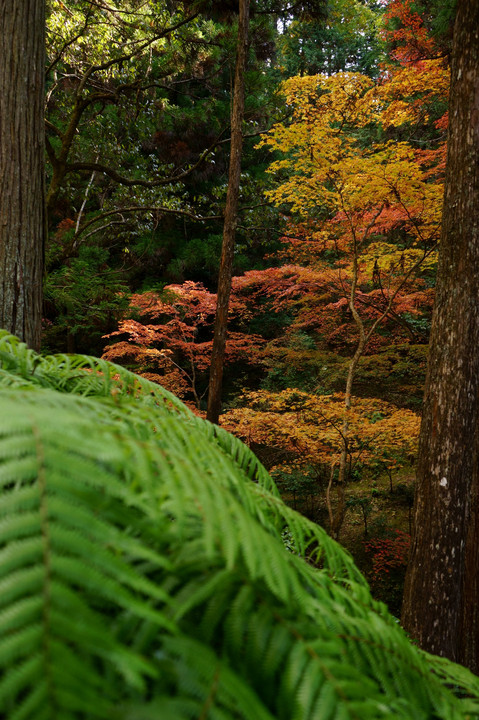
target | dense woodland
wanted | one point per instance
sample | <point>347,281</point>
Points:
<point>336,239</point>
<point>328,290</point>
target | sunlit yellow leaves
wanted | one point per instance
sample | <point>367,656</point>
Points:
<point>388,258</point>
<point>329,167</point>
<point>404,95</point>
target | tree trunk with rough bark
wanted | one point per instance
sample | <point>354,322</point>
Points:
<point>22,214</point>
<point>231,213</point>
<point>441,600</point>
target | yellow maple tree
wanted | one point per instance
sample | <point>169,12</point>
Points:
<point>330,168</point>
<point>352,184</point>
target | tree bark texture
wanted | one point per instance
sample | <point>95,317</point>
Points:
<point>441,600</point>
<point>22,214</point>
<point>230,221</point>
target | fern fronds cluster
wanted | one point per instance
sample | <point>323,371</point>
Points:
<point>143,573</point>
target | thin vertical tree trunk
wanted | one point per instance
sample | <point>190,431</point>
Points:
<point>22,215</point>
<point>231,214</point>
<point>441,599</point>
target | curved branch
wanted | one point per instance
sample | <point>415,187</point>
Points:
<point>135,209</point>
<point>128,56</point>
<point>131,182</point>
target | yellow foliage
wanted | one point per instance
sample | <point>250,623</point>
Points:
<point>327,163</point>
<point>393,261</point>
<point>310,426</point>
<point>402,97</point>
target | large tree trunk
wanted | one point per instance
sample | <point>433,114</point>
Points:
<point>22,216</point>
<point>441,601</point>
<point>231,213</point>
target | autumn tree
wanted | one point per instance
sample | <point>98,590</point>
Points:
<point>169,339</point>
<point>22,229</point>
<point>415,31</point>
<point>363,212</point>
<point>441,594</point>
<point>296,432</point>
<point>350,188</point>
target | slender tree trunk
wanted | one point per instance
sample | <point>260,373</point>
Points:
<point>231,213</point>
<point>441,600</point>
<point>338,519</point>
<point>22,215</point>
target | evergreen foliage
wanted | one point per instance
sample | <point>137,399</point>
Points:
<point>346,39</point>
<point>144,572</point>
<point>88,298</point>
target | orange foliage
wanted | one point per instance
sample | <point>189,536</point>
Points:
<point>317,300</point>
<point>405,30</point>
<point>364,210</point>
<point>172,339</point>
<point>308,428</point>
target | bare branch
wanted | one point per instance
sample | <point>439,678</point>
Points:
<point>85,198</point>
<point>103,227</point>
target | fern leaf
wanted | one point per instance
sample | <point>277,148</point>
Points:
<point>143,572</point>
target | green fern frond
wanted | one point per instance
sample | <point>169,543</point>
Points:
<point>143,572</point>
